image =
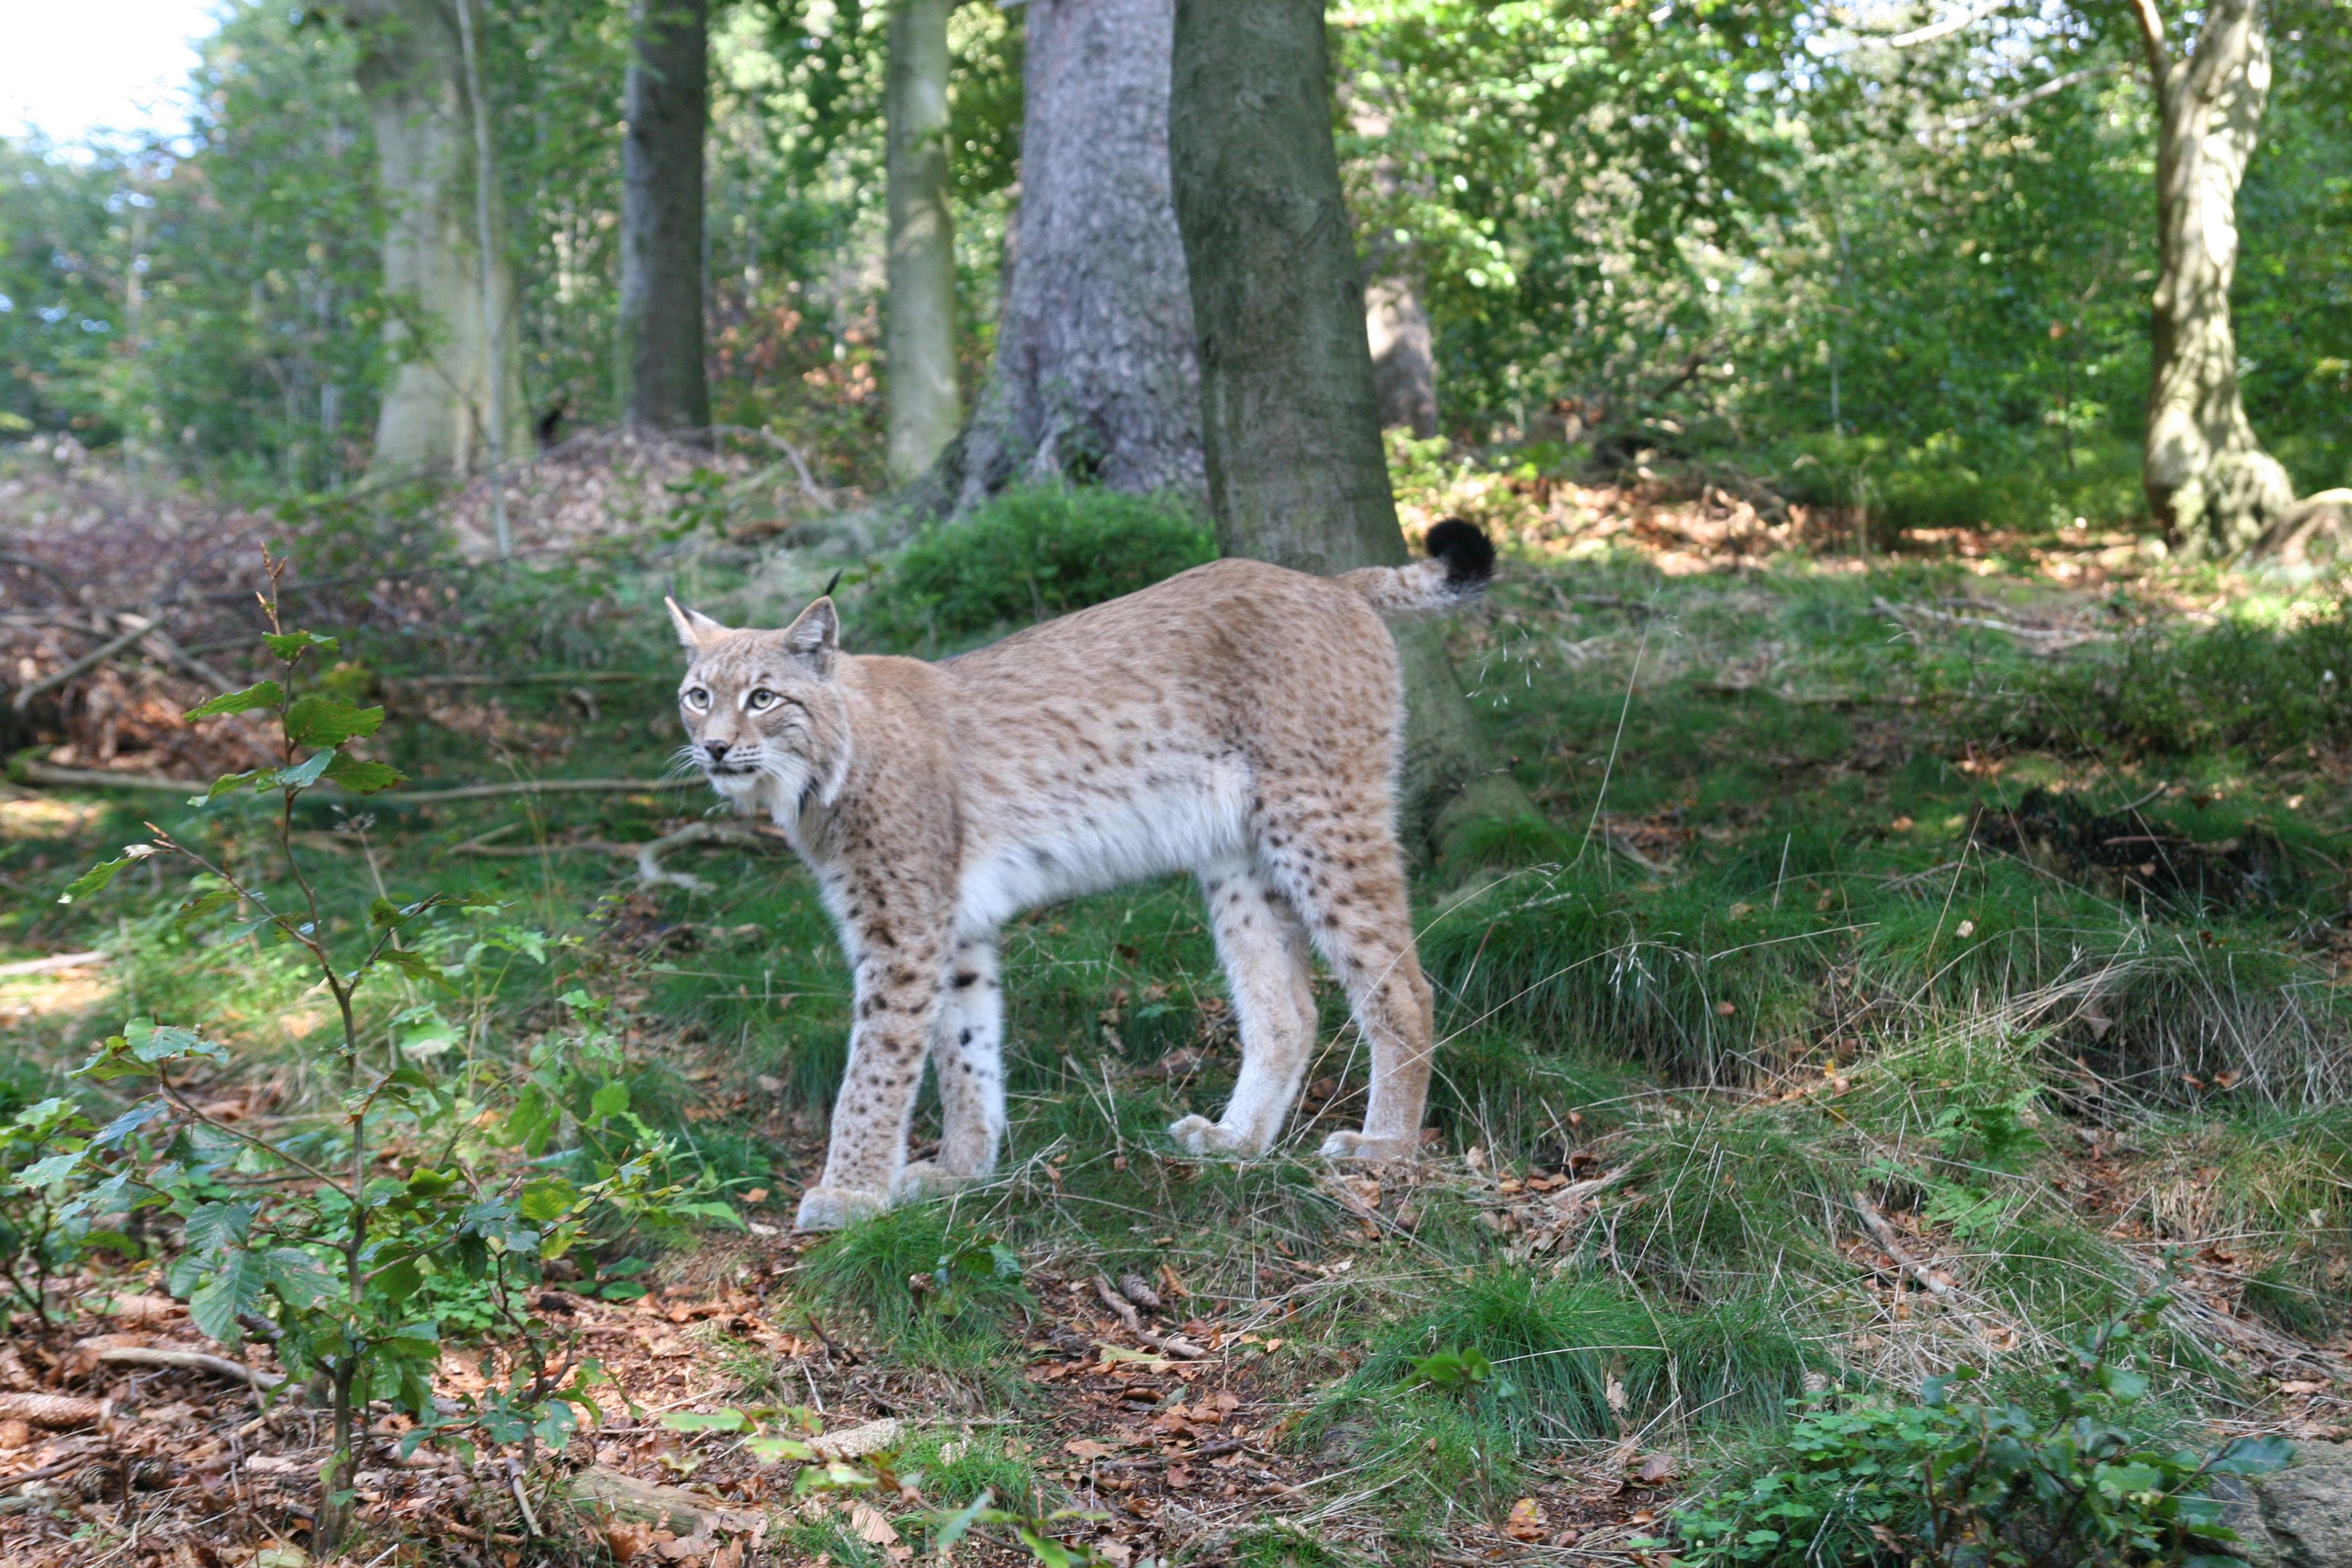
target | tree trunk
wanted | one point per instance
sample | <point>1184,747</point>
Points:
<point>924,406</point>
<point>1095,376</point>
<point>435,421</point>
<point>2208,477</point>
<point>668,110</point>
<point>1290,422</point>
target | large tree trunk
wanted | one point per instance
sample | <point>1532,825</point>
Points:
<point>919,343</point>
<point>1404,361</point>
<point>1095,376</point>
<point>668,110</point>
<point>435,421</point>
<point>2207,476</point>
<point>1288,415</point>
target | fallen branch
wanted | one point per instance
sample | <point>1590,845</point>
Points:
<point>2043,639</point>
<point>1892,1244</point>
<point>193,1360</point>
<point>1176,1345</point>
<point>650,870</point>
<point>51,964</point>
<point>41,773</point>
<point>529,677</point>
<point>91,660</point>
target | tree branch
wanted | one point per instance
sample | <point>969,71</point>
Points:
<point>2051,88</point>
<point>2151,39</point>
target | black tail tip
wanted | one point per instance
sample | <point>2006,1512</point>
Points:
<point>1468,554</point>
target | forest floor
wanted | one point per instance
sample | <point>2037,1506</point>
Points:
<point>1931,949</point>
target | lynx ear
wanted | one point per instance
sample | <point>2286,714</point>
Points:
<point>815,636</point>
<point>695,629</point>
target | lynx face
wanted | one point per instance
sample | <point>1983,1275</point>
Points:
<point>765,719</point>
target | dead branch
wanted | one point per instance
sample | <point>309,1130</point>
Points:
<point>98,778</point>
<point>650,870</point>
<point>1176,1345</point>
<point>1892,1244</point>
<point>193,1360</point>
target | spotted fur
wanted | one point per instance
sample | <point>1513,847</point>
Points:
<point>1240,720</point>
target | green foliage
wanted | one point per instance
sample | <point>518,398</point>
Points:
<point>356,1269</point>
<point>1957,1479</point>
<point>923,1279</point>
<point>1028,555</point>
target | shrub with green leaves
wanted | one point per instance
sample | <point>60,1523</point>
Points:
<point>1027,555</point>
<point>306,1236</point>
<point>1965,1480</point>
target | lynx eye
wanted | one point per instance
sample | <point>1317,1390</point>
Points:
<point>762,700</point>
<point>697,698</point>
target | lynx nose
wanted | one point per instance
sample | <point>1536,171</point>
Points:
<point>717,749</point>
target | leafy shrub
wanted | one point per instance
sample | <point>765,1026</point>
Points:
<point>1970,1483</point>
<point>1027,555</point>
<point>355,1269</point>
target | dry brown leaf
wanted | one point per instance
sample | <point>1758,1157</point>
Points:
<point>1527,1521</point>
<point>1656,1470</point>
<point>627,1538</point>
<point>1086,1448</point>
<point>867,1521</point>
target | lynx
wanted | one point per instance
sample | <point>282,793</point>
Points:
<point>1239,721</point>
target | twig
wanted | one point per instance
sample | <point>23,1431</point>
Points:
<point>1883,1233</point>
<point>1176,1345</point>
<point>514,1485</point>
<point>91,660</point>
<point>193,1360</point>
<point>529,677</point>
<point>97,778</point>
<point>650,870</point>
<point>52,964</point>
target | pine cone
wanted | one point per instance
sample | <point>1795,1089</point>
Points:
<point>50,1409</point>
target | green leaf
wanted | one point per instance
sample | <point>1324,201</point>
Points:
<point>95,879</point>
<point>289,645</point>
<point>723,1213</point>
<point>202,904</point>
<point>546,1199</point>
<point>317,720</point>
<point>260,778</point>
<point>130,1122</point>
<point>47,1173</point>
<point>716,1421</point>
<point>154,1042</point>
<point>261,694</point>
<point>364,777</point>
<point>234,1287</point>
<point>400,1282</point>
<point>308,772</point>
<point>779,1450</point>
<point>611,1099</point>
<point>298,1277</point>
<point>415,965</point>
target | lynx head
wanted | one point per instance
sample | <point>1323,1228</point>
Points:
<point>765,719</point>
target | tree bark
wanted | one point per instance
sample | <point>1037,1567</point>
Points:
<point>2207,476</point>
<point>925,406</point>
<point>667,105</point>
<point>1095,376</point>
<point>1289,418</point>
<point>435,420</point>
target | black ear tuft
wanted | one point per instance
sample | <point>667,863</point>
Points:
<point>1468,554</point>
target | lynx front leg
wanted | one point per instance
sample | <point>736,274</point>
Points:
<point>897,1007</point>
<point>967,1054</point>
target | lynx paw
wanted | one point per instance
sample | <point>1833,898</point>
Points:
<point>830,1209</point>
<point>923,1179</point>
<point>1199,1135</point>
<point>1364,1146</point>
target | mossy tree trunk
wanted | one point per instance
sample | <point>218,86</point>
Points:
<point>2207,476</point>
<point>925,408</point>
<point>1094,376</point>
<point>668,106</point>
<point>435,421</point>
<point>1289,417</point>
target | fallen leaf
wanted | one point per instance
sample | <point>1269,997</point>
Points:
<point>867,1521</point>
<point>1087,1448</point>
<point>1527,1521</point>
<point>626,1538</point>
<point>1656,1469</point>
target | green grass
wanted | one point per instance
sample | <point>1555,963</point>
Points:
<point>1759,958</point>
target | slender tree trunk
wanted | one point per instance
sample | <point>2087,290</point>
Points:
<point>668,110</point>
<point>2207,476</point>
<point>1290,422</point>
<point>925,406</point>
<point>435,421</point>
<point>1404,361</point>
<point>1095,376</point>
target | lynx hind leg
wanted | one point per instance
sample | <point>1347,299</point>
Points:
<point>1340,863</point>
<point>967,1054</point>
<point>1264,950</point>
